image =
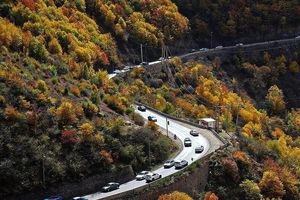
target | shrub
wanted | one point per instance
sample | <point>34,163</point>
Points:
<point>86,129</point>
<point>12,113</point>
<point>89,108</point>
<point>210,196</point>
<point>75,90</point>
<point>69,136</point>
<point>37,50</point>
<point>68,112</point>
<point>106,156</point>
<point>294,67</point>
<point>250,190</point>
<point>42,86</point>
<point>54,46</point>
<point>2,100</point>
<point>115,103</point>
<point>177,196</point>
<point>137,118</point>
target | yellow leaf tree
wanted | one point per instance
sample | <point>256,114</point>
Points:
<point>275,99</point>
<point>175,196</point>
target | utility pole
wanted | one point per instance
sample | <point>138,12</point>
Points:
<point>149,150</point>
<point>217,119</point>
<point>142,53</point>
<point>167,126</point>
<point>211,34</point>
<point>44,177</point>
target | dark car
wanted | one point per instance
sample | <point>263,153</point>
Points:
<point>192,50</point>
<point>187,142</point>
<point>110,186</point>
<point>169,164</point>
<point>181,164</point>
<point>199,149</point>
<point>152,118</point>
<point>194,133</point>
<point>142,108</point>
<point>56,197</point>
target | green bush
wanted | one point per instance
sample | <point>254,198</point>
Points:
<point>37,50</point>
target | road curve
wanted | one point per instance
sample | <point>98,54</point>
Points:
<point>187,153</point>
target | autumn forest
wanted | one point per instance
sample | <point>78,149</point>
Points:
<point>59,109</point>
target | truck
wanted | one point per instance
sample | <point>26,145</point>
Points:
<point>209,123</point>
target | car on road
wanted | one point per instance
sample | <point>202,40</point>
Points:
<point>239,44</point>
<point>152,118</point>
<point>55,197</point>
<point>142,108</point>
<point>194,133</point>
<point>161,58</point>
<point>219,47</point>
<point>127,68</point>
<point>110,186</point>
<point>144,63</point>
<point>297,37</point>
<point>169,164</point>
<point>117,71</point>
<point>199,149</point>
<point>187,142</point>
<point>152,177</point>
<point>192,50</point>
<point>141,175</point>
<point>79,198</point>
<point>179,164</point>
<point>203,49</point>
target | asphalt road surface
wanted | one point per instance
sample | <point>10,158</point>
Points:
<point>187,154</point>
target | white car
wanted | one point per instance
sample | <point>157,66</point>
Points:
<point>203,49</point>
<point>141,176</point>
<point>297,37</point>
<point>169,164</point>
<point>152,177</point>
<point>219,47</point>
<point>117,71</point>
<point>239,44</point>
<point>126,68</point>
<point>179,164</point>
<point>194,133</point>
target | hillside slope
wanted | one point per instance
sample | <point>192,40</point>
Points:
<point>54,98</point>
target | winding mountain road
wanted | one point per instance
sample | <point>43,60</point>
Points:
<point>187,153</point>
